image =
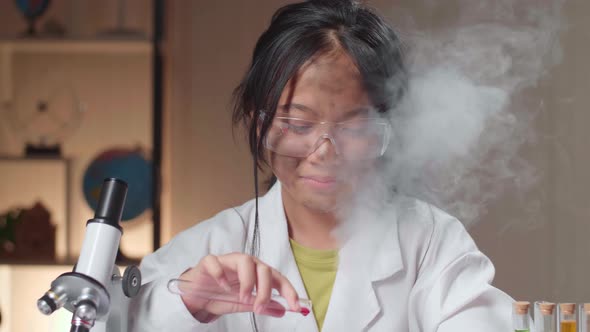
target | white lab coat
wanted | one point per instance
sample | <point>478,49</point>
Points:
<point>424,274</point>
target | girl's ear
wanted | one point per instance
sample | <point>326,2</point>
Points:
<point>259,120</point>
<point>258,124</point>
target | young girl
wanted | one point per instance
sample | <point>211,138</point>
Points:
<point>323,77</point>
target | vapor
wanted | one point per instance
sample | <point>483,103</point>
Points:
<point>466,117</point>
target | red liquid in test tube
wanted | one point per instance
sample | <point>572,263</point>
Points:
<point>278,303</point>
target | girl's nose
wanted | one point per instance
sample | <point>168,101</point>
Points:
<point>325,149</point>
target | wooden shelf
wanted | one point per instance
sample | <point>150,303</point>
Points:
<point>69,46</point>
<point>34,262</point>
<point>65,262</point>
<point>10,47</point>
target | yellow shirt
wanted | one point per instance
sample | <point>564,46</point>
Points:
<point>318,271</point>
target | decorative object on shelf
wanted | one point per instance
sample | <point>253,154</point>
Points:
<point>32,10</point>
<point>8,223</point>
<point>29,180</point>
<point>53,28</point>
<point>121,31</point>
<point>27,234</point>
<point>129,165</point>
<point>45,114</point>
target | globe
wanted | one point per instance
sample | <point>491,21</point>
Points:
<point>31,10</point>
<point>128,165</point>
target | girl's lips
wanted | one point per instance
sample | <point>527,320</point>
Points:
<point>323,183</point>
<point>324,179</point>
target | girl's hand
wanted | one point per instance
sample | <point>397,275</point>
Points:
<point>237,272</point>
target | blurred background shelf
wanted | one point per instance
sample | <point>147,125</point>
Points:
<point>38,262</point>
<point>69,46</point>
<point>109,74</point>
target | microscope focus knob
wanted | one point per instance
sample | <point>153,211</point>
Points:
<point>131,281</point>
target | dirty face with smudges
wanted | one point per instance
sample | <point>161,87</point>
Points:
<point>327,88</point>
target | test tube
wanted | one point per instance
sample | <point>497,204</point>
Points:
<point>585,317</point>
<point>277,304</point>
<point>567,317</point>
<point>545,317</point>
<point>520,316</point>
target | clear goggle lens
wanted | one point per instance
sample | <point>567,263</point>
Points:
<point>358,139</point>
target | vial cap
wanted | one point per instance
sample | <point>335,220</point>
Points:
<point>521,307</point>
<point>547,308</point>
<point>568,308</point>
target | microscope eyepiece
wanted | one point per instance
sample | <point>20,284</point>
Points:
<point>111,202</point>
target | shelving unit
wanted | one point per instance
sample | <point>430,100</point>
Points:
<point>95,46</point>
<point>22,282</point>
<point>8,48</point>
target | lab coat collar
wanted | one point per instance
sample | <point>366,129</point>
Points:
<point>371,256</point>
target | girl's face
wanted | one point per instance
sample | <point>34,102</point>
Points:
<point>330,89</point>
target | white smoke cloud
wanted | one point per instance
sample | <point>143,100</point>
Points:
<point>466,118</point>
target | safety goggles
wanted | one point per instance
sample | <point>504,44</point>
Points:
<point>358,139</point>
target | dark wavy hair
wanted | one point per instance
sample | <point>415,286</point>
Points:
<point>299,32</point>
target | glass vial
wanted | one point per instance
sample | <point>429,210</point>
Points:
<point>585,317</point>
<point>545,317</point>
<point>520,316</point>
<point>567,317</point>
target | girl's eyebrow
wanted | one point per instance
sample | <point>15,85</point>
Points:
<point>287,108</point>
<point>363,110</point>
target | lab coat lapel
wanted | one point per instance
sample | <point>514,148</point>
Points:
<point>373,255</point>
<point>275,250</point>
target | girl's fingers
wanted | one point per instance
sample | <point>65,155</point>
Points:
<point>273,309</point>
<point>263,286</point>
<point>286,289</point>
<point>213,267</point>
<point>250,272</point>
<point>246,270</point>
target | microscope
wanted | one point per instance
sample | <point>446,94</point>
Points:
<point>95,292</point>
